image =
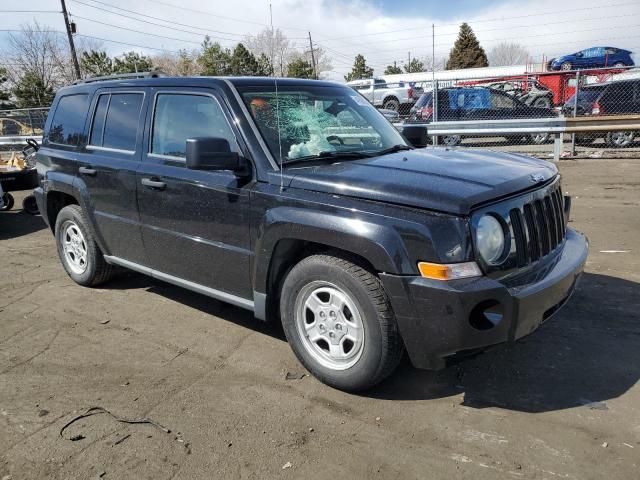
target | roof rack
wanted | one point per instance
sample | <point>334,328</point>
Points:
<point>120,76</point>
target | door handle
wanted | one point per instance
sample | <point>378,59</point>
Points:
<point>87,171</point>
<point>148,182</point>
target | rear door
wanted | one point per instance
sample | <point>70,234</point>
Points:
<point>195,224</point>
<point>107,169</point>
<point>618,99</point>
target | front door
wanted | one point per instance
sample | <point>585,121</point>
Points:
<point>107,170</point>
<point>195,224</point>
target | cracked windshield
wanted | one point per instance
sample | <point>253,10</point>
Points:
<point>306,123</point>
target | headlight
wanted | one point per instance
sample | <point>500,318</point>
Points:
<point>490,238</point>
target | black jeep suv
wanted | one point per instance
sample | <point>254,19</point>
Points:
<point>297,200</point>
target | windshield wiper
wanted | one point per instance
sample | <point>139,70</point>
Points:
<point>394,149</point>
<point>330,155</point>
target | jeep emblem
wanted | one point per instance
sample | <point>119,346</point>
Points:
<point>537,177</point>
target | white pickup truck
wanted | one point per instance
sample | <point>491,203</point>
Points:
<point>398,97</point>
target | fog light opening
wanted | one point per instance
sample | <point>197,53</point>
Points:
<point>486,315</point>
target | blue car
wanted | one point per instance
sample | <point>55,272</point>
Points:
<point>595,57</point>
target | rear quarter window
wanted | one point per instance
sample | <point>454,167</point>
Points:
<point>67,125</point>
<point>115,123</point>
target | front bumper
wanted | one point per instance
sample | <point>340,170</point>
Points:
<point>434,316</point>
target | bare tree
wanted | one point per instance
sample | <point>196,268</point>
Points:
<point>181,64</point>
<point>38,51</point>
<point>508,53</point>
<point>274,45</point>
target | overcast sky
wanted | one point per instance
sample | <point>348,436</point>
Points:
<point>382,30</point>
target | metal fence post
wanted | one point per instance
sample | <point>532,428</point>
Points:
<point>434,115</point>
<point>575,113</point>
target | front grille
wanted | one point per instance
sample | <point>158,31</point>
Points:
<point>537,227</point>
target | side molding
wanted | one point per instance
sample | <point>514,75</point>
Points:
<point>196,287</point>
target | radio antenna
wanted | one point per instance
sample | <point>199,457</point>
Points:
<point>275,81</point>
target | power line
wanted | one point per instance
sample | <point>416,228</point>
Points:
<point>29,11</point>
<point>180,7</point>
<point>479,32</point>
<point>494,40</point>
<point>485,20</point>
<point>4,30</point>
<point>138,31</point>
<point>204,30</point>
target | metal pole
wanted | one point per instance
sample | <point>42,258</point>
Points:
<point>575,113</point>
<point>434,115</point>
<point>271,43</point>
<point>313,58</point>
<point>74,56</point>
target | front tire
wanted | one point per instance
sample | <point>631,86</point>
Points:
<point>77,249</point>
<point>339,322</point>
<point>566,66</point>
<point>8,201</point>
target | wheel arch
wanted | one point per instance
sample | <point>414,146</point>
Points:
<point>288,237</point>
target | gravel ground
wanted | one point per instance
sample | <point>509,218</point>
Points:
<point>563,403</point>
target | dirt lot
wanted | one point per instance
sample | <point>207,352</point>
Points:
<point>563,403</point>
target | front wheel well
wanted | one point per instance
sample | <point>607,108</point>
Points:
<point>56,201</point>
<point>287,253</point>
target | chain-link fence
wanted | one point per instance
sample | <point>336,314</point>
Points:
<point>19,124</point>
<point>570,93</point>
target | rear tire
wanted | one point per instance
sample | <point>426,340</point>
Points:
<point>391,104</point>
<point>619,65</point>
<point>339,322</point>
<point>79,254</point>
<point>619,139</point>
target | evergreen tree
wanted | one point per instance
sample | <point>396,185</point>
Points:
<point>214,59</point>
<point>132,62</point>
<point>466,52</point>
<point>243,62</point>
<point>300,68</point>
<point>31,91</point>
<point>265,65</point>
<point>414,66</point>
<point>360,69</point>
<point>392,69</point>
<point>96,64</point>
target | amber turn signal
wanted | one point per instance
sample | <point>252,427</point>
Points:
<point>448,271</point>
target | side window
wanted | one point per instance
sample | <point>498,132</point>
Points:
<point>611,51</point>
<point>115,124</point>
<point>178,117</point>
<point>67,125</point>
<point>501,101</point>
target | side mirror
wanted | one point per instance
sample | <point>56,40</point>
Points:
<point>211,153</point>
<point>415,135</point>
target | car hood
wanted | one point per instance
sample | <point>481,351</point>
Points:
<point>440,179</point>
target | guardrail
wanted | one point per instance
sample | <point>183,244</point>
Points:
<point>557,126</point>
<point>19,140</point>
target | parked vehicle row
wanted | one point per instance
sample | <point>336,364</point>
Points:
<point>474,103</point>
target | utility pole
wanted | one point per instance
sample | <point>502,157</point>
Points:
<point>313,58</point>
<point>409,64</point>
<point>72,47</point>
